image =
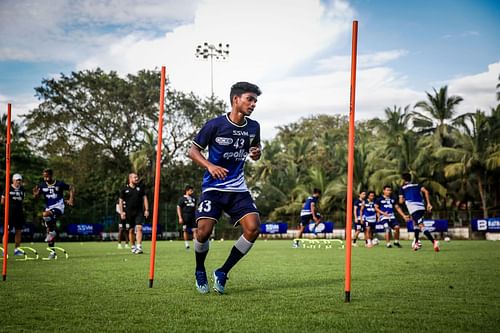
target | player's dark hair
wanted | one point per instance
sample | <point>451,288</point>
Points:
<point>370,192</point>
<point>406,177</point>
<point>48,171</point>
<point>316,191</point>
<point>387,186</point>
<point>187,188</point>
<point>362,191</point>
<point>239,88</point>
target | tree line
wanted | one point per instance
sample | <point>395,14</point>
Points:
<point>94,127</point>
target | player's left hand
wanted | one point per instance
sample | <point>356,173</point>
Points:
<point>146,213</point>
<point>70,203</point>
<point>255,153</point>
<point>429,208</point>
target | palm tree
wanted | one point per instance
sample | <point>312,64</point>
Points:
<point>473,155</point>
<point>436,114</point>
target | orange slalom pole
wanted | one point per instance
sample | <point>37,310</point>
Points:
<point>7,192</point>
<point>350,165</point>
<point>157,180</point>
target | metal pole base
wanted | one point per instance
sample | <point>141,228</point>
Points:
<point>150,283</point>
<point>347,296</point>
<point>4,277</point>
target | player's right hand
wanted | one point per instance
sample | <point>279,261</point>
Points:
<point>36,190</point>
<point>181,221</point>
<point>218,172</point>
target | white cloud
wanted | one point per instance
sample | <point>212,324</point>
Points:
<point>478,90</point>
<point>364,60</point>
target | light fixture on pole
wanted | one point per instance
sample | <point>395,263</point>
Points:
<point>219,52</point>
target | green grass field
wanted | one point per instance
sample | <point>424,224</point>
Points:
<point>274,289</point>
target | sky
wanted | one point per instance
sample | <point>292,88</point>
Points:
<point>298,52</point>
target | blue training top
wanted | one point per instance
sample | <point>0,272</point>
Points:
<point>54,194</point>
<point>386,205</point>
<point>413,197</point>
<point>369,213</point>
<point>358,203</point>
<point>228,147</point>
<point>306,209</point>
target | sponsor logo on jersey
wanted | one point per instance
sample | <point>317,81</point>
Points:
<point>239,155</point>
<point>240,133</point>
<point>223,141</point>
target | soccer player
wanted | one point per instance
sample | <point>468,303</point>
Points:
<point>16,213</point>
<point>359,224</point>
<point>230,139</point>
<point>134,208</point>
<point>123,227</point>
<point>385,206</point>
<point>309,212</point>
<point>411,194</point>
<point>186,208</point>
<point>53,192</point>
<point>370,217</point>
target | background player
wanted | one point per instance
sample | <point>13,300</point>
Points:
<point>186,208</point>
<point>16,212</point>
<point>134,208</point>
<point>309,212</point>
<point>385,206</point>
<point>230,139</point>
<point>411,194</point>
<point>370,217</point>
<point>359,224</point>
<point>53,192</point>
<point>123,226</point>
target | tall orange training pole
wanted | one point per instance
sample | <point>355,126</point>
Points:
<point>350,164</point>
<point>157,180</point>
<point>7,192</point>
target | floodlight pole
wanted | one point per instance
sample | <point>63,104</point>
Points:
<point>207,50</point>
<point>7,192</point>
<point>350,164</point>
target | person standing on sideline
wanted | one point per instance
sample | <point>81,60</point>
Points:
<point>186,208</point>
<point>411,195</point>
<point>16,212</point>
<point>309,212</point>
<point>230,139</point>
<point>359,224</point>
<point>134,208</point>
<point>123,227</point>
<point>53,192</point>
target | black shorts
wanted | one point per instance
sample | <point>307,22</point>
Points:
<point>16,220</point>
<point>189,222</point>
<point>304,220</point>
<point>134,219</point>
<point>122,224</point>
<point>359,226</point>
<point>418,217</point>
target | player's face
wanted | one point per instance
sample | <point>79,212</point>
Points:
<point>371,196</point>
<point>387,192</point>
<point>47,177</point>
<point>362,195</point>
<point>134,179</point>
<point>190,192</point>
<point>17,182</point>
<point>246,103</point>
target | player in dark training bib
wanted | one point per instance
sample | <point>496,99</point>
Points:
<point>230,139</point>
<point>16,212</point>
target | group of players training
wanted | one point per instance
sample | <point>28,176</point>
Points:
<point>369,210</point>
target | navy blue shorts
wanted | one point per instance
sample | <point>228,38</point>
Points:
<point>391,223</point>
<point>371,225</point>
<point>359,226</point>
<point>418,217</point>
<point>304,220</point>
<point>235,204</point>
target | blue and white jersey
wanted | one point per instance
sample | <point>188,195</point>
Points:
<point>413,197</point>
<point>228,147</point>
<point>358,203</point>
<point>369,213</point>
<point>306,208</point>
<point>54,194</point>
<point>387,206</point>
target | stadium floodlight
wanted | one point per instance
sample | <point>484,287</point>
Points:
<point>219,52</point>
